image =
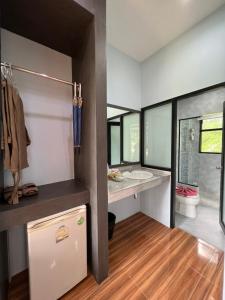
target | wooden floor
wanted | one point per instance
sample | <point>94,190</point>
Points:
<point>151,261</point>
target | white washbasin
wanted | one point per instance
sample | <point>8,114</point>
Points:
<point>138,175</point>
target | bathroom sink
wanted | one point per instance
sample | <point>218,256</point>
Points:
<point>138,175</point>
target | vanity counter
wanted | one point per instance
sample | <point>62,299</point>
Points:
<point>129,187</point>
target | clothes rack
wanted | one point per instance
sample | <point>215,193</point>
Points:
<point>13,67</point>
<point>77,99</point>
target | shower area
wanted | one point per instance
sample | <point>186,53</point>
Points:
<point>199,149</point>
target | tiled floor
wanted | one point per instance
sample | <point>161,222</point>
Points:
<point>206,226</point>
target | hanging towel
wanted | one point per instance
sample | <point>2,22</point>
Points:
<point>15,138</point>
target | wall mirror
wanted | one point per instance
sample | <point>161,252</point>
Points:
<point>123,135</point>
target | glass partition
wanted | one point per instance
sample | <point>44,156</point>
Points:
<point>188,147</point>
<point>157,136</point>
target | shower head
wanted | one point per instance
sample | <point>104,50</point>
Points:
<point>192,134</point>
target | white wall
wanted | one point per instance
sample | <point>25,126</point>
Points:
<point>191,62</point>
<point>125,208</point>
<point>47,108</point>
<point>123,79</point>
<point>48,113</point>
<point>123,89</point>
<point>156,203</point>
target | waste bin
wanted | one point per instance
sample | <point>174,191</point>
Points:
<point>111,224</point>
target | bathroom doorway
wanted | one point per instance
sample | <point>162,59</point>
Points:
<point>198,165</point>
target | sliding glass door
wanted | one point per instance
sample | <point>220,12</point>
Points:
<point>157,136</point>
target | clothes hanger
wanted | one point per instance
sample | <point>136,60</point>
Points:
<point>4,72</point>
<point>7,73</point>
<point>10,73</point>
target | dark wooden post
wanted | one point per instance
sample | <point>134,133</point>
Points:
<point>89,67</point>
<point>3,235</point>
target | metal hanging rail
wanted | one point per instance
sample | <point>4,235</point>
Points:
<point>13,67</point>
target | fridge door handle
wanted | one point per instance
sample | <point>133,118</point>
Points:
<point>56,220</point>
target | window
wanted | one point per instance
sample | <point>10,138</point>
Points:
<point>131,138</point>
<point>211,135</point>
<point>114,147</point>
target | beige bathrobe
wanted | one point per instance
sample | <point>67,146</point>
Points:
<point>15,138</point>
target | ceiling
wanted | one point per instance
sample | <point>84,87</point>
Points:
<point>139,28</point>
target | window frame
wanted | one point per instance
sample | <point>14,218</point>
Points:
<point>201,130</point>
<point>173,136</point>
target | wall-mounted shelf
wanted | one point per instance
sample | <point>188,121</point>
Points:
<point>52,198</point>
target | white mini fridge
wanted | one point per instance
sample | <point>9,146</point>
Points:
<point>57,251</point>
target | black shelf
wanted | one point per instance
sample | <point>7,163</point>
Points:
<point>52,198</point>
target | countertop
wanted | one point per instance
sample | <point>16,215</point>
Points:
<point>128,187</point>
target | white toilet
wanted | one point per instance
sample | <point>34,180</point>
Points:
<point>187,206</point>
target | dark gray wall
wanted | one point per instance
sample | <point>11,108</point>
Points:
<point>189,159</point>
<point>3,235</point>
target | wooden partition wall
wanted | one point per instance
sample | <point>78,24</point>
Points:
<point>91,164</point>
<point>76,28</point>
